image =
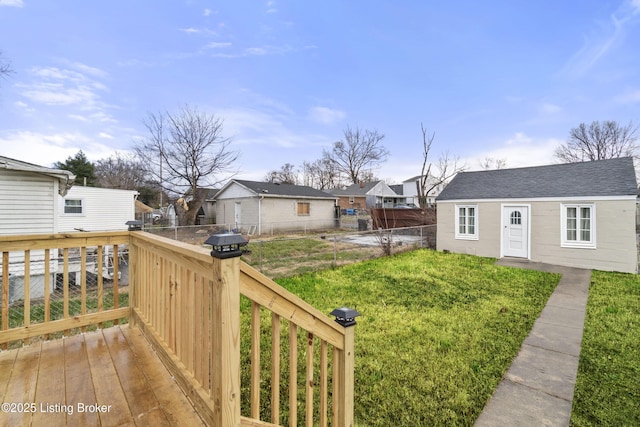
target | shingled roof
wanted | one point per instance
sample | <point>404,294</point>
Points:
<point>283,190</point>
<point>612,177</point>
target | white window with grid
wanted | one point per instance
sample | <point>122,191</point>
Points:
<point>578,225</point>
<point>467,222</point>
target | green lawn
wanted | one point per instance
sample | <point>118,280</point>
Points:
<point>436,334</point>
<point>608,384</point>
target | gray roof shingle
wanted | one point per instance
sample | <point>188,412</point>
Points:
<point>612,177</point>
<point>274,189</point>
<point>354,189</point>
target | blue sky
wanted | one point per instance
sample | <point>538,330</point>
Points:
<point>505,79</point>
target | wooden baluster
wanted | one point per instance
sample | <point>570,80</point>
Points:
<point>100,287</point>
<point>115,280</point>
<point>255,361</point>
<point>323,383</point>
<point>293,374</point>
<point>5,294</point>
<point>275,369</point>
<point>65,286</point>
<point>309,380</point>
<point>47,288</point>
<point>83,283</point>
<point>27,288</point>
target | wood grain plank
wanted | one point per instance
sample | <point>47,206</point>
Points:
<point>79,385</point>
<point>173,402</point>
<point>142,401</point>
<point>51,387</point>
<point>21,387</point>
<point>106,383</point>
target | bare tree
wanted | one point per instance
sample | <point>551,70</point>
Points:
<point>599,140</point>
<point>490,163</point>
<point>320,174</point>
<point>285,175</point>
<point>185,152</point>
<point>5,67</point>
<point>360,149</point>
<point>430,178</point>
<point>120,171</point>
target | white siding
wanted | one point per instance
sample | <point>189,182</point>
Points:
<point>27,203</point>
<point>104,209</point>
<point>234,191</point>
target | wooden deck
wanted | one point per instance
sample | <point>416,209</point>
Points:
<point>60,382</point>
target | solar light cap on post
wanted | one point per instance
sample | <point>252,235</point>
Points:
<point>345,316</point>
<point>134,225</point>
<point>226,245</point>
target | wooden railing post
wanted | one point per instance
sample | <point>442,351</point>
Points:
<point>225,328</point>
<point>344,367</point>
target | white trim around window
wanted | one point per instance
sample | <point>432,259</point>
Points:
<point>466,222</point>
<point>578,225</point>
<point>73,207</point>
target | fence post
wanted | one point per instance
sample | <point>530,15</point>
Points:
<point>225,328</point>
<point>344,366</point>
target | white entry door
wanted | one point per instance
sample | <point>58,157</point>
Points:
<point>515,234</point>
<point>238,215</point>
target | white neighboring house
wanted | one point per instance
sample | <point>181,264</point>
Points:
<point>29,197</point>
<point>39,200</point>
<point>29,205</point>
<point>96,209</point>
<point>410,190</point>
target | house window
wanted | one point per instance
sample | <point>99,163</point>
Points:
<point>516,218</point>
<point>467,222</point>
<point>352,200</point>
<point>73,206</point>
<point>578,226</point>
<point>304,208</point>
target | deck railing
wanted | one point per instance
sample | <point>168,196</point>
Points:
<point>37,283</point>
<point>190,306</point>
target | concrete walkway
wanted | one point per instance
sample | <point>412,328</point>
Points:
<point>537,389</point>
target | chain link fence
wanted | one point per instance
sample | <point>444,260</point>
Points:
<point>295,253</point>
<point>286,256</point>
<point>46,279</point>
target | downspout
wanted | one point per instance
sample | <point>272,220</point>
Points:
<point>260,197</point>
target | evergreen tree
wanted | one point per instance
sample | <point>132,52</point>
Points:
<point>81,167</point>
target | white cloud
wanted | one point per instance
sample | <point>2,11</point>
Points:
<point>105,135</point>
<point>598,43</point>
<point>200,31</point>
<point>44,149</point>
<point>548,108</point>
<point>326,115</point>
<point>14,3</point>
<point>271,7</point>
<point>57,94</point>
<point>215,45</point>
<point>248,126</point>
<point>79,92</point>
<point>629,97</point>
<point>206,12</point>
<point>519,150</point>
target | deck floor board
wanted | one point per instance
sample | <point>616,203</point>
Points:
<point>114,367</point>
